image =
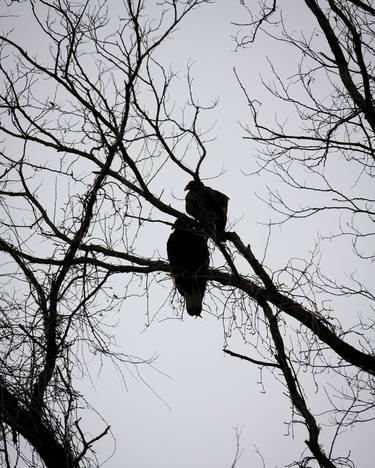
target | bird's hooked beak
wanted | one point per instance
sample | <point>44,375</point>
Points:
<point>193,184</point>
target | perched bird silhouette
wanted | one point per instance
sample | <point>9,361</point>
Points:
<point>208,206</point>
<point>189,259</point>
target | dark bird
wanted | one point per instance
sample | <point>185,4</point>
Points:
<point>208,206</point>
<point>189,259</point>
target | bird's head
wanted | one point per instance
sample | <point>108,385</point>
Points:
<point>184,223</point>
<point>194,185</point>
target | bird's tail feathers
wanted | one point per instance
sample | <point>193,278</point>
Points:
<point>193,304</point>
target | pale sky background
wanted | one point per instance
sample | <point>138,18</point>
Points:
<point>200,395</point>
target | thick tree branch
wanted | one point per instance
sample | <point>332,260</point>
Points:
<point>295,394</point>
<point>342,63</point>
<point>29,423</point>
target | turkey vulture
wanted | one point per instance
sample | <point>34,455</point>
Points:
<point>189,259</point>
<point>208,206</point>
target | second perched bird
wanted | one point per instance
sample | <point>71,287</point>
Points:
<point>189,259</point>
<point>208,206</point>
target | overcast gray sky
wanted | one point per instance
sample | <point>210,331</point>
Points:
<point>184,416</point>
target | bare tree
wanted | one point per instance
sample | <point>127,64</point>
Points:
<point>323,159</point>
<point>89,131</point>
